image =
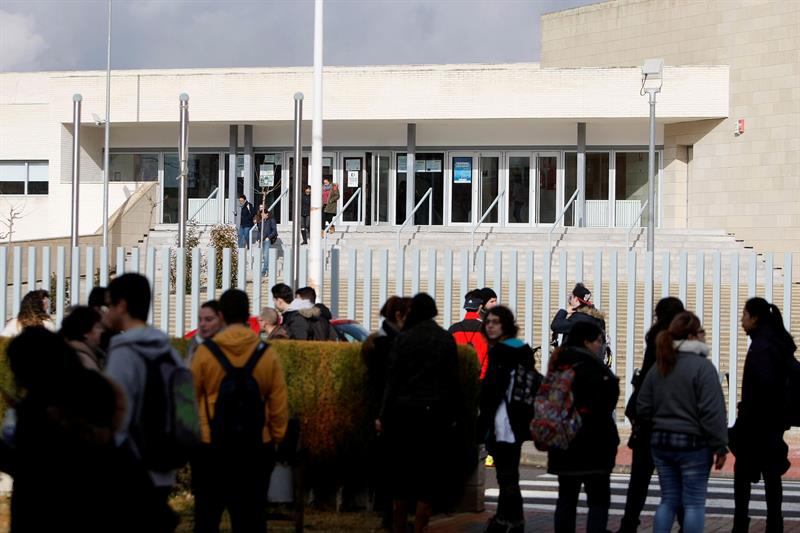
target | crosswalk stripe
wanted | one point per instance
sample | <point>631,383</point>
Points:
<point>541,493</point>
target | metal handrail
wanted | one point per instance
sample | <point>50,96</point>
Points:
<point>336,218</point>
<point>210,196</point>
<point>560,216</point>
<point>273,204</point>
<point>428,193</point>
<point>633,225</point>
<point>476,226</point>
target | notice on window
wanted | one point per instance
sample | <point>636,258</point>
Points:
<point>419,166</point>
<point>462,170</point>
<point>402,162</point>
<point>352,164</point>
<point>352,178</point>
<point>433,165</point>
<point>266,176</point>
<point>269,158</point>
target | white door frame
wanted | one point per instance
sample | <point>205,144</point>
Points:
<point>362,203</point>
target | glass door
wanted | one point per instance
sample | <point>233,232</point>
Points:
<point>462,172</point>
<point>327,172</point>
<point>353,171</point>
<point>520,189</point>
<point>547,188</point>
<point>381,177</point>
<point>489,188</point>
<point>203,177</point>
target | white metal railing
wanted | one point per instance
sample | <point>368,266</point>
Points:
<point>715,280</point>
<point>633,225</point>
<point>472,249</point>
<point>205,202</point>
<point>428,193</point>
<point>560,216</point>
<point>336,218</point>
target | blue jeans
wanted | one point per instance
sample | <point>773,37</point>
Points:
<point>683,476</point>
<point>244,233</point>
<point>265,246</point>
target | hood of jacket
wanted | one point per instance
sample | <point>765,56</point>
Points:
<point>299,304</point>
<point>592,311</point>
<point>237,341</point>
<point>145,340</point>
<point>310,313</point>
<point>689,346</point>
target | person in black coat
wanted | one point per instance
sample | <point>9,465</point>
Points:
<point>579,309</point>
<point>642,466</point>
<point>419,410</point>
<point>756,439</point>
<point>503,429</point>
<point>590,456</point>
<point>305,214</point>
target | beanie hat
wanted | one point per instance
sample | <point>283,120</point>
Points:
<point>487,294</point>
<point>581,292</point>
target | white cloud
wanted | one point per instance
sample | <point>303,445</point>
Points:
<point>20,45</point>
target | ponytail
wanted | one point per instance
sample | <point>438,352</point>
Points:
<point>684,324</point>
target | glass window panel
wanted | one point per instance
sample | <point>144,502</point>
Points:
<point>490,186</point>
<point>597,165</point>
<point>519,186</point>
<point>269,194</point>
<point>133,167</point>
<point>38,187</point>
<point>546,194</point>
<point>38,171</point>
<point>12,187</point>
<point>631,186</point>
<point>461,202</point>
<point>13,171</point>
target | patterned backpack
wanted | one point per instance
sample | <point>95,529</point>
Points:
<point>556,421</point>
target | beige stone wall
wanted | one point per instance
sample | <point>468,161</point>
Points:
<point>747,184</point>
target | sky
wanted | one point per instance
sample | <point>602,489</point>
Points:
<point>71,34</point>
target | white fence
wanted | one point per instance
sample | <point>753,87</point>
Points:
<point>533,283</point>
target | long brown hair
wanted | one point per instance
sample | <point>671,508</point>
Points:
<point>682,326</point>
<point>31,309</point>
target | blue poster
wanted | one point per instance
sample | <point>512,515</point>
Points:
<point>462,170</point>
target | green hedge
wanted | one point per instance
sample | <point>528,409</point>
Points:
<point>327,387</point>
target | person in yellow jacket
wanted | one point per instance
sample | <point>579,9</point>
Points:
<point>241,393</point>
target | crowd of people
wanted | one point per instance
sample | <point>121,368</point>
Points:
<point>106,404</point>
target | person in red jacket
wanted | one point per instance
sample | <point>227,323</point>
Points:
<point>468,331</point>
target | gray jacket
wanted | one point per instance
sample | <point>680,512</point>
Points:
<point>689,399</point>
<point>127,368</point>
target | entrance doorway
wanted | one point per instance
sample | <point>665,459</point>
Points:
<point>381,174</point>
<point>353,172</point>
<point>327,172</point>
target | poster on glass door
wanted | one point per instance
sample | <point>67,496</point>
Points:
<point>462,170</point>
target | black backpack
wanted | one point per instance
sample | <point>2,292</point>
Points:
<point>169,427</point>
<point>239,418</point>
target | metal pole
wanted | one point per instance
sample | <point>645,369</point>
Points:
<point>107,144</point>
<point>298,187</point>
<point>651,189</point>
<point>184,157</point>
<point>315,252</point>
<point>76,167</point>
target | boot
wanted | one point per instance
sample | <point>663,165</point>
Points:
<point>422,517</point>
<point>304,234</point>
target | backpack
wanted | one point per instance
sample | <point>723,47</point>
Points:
<point>792,394</point>
<point>239,417</point>
<point>556,421</point>
<point>169,427</point>
<point>524,387</point>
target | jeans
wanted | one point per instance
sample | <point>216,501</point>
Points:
<point>265,246</point>
<point>244,233</point>
<point>683,476</point>
<point>598,499</point>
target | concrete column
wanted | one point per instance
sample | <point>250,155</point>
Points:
<point>248,163</point>
<point>580,208</point>
<point>411,151</point>
<point>231,212</point>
